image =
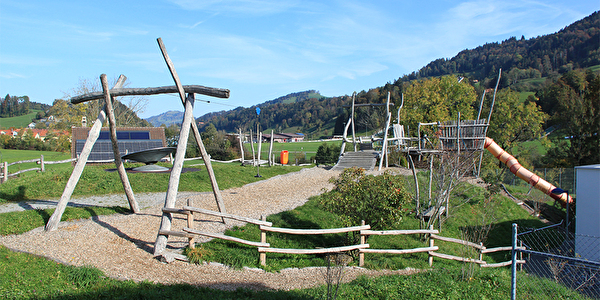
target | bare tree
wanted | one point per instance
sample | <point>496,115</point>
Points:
<point>126,108</point>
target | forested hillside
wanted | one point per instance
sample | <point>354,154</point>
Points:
<point>576,46</point>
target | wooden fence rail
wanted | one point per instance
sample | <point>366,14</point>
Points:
<point>263,247</point>
<point>4,175</point>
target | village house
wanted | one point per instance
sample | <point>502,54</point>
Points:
<point>284,137</point>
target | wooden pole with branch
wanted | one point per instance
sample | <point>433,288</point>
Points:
<point>79,166</point>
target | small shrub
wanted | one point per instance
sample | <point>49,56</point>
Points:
<point>376,199</point>
<point>85,276</point>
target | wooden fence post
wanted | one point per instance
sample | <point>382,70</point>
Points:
<point>363,240</point>
<point>481,252</point>
<point>5,172</point>
<point>190,224</point>
<point>431,244</point>
<point>42,167</point>
<point>263,239</point>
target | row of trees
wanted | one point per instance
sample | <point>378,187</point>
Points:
<point>13,106</point>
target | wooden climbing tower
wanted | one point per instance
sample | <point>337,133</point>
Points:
<point>186,94</point>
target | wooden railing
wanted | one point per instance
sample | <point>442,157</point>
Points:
<point>4,175</point>
<point>363,247</point>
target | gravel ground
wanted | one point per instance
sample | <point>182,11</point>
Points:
<point>122,245</point>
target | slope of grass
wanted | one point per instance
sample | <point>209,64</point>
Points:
<point>18,122</point>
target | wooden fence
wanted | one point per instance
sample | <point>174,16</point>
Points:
<point>363,247</point>
<point>40,161</point>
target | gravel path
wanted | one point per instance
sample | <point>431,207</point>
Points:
<point>122,245</point>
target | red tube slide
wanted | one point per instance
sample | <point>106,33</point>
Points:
<point>513,164</point>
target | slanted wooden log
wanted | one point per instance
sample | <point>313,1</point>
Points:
<point>227,238</point>
<point>161,241</point>
<point>225,215</point>
<point>117,92</point>
<point>79,166</point>
<point>113,137</point>
<point>195,131</point>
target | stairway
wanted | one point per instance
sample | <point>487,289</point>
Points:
<point>362,159</point>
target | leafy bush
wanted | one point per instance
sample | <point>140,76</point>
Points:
<point>376,199</point>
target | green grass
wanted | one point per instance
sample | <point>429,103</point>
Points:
<point>17,122</point>
<point>22,221</point>
<point>27,276</point>
<point>96,180</point>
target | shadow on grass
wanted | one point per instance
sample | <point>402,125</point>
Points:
<point>145,290</point>
<point>18,195</point>
<point>289,219</point>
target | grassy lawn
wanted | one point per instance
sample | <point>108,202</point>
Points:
<point>27,276</point>
<point>103,179</point>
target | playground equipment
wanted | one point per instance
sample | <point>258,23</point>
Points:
<point>160,246</point>
<point>515,167</point>
<point>456,143</point>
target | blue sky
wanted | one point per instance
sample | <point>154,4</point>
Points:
<point>258,49</point>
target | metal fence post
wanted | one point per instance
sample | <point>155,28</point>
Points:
<point>513,279</point>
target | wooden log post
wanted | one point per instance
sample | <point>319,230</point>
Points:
<point>431,244</point>
<point>241,147</point>
<point>252,146</point>
<point>79,166</point>
<point>363,240</point>
<point>271,161</point>
<point>113,137</point>
<point>42,166</point>
<point>190,224</point>
<point>263,239</point>
<point>161,241</point>
<point>196,132</point>
<point>4,172</point>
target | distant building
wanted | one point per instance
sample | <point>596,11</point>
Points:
<point>129,139</point>
<point>284,137</point>
<point>39,134</point>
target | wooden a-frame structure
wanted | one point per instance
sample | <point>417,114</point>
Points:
<point>188,122</point>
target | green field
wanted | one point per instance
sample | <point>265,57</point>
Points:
<point>17,122</point>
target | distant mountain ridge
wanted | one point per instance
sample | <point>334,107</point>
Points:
<point>167,118</point>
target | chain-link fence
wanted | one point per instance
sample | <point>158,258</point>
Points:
<point>558,264</point>
<point>564,178</point>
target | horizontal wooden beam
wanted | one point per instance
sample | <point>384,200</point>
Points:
<point>398,232</point>
<point>497,249</point>
<point>453,240</point>
<point>313,251</point>
<point>400,251</point>
<point>117,92</point>
<point>314,231</point>
<point>229,216</point>
<point>458,258</point>
<point>502,264</point>
<point>175,233</point>
<point>226,237</point>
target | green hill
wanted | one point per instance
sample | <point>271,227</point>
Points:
<point>18,122</point>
